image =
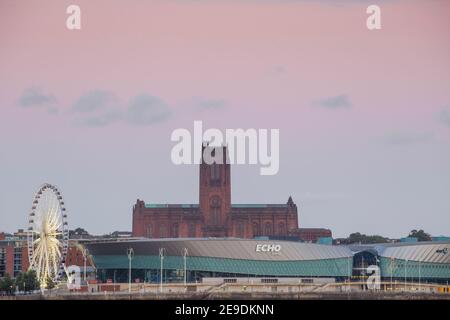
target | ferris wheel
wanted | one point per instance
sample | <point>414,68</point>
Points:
<point>48,234</point>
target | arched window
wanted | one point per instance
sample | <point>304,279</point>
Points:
<point>149,231</point>
<point>175,230</point>
<point>281,229</point>
<point>215,171</point>
<point>215,210</point>
<point>240,229</point>
<point>268,229</point>
<point>163,231</point>
<point>255,228</point>
<point>191,231</point>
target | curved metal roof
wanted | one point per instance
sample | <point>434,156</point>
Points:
<point>429,251</point>
<point>222,248</point>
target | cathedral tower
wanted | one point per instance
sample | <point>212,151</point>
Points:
<point>215,192</point>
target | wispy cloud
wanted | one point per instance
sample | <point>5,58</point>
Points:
<point>95,100</point>
<point>36,98</point>
<point>101,108</point>
<point>335,102</point>
<point>277,70</point>
<point>145,109</point>
<point>444,116</point>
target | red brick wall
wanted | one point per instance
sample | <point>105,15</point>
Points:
<point>311,234</point>
<point>10,260</point>
<point>25,260</point>
<point>75,257</point>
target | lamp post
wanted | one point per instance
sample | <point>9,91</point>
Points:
<point>114,281</point>
<point>85,254</point>
<point>406,262</point>
<point>130,254</point>
<point>420,278</point>
<point>377,262</point>
<point>392,272</point>
<point>161,257</point>
<point>185,253</point>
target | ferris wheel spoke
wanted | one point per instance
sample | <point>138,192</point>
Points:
<point>53,217</point>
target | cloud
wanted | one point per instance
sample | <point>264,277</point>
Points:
<point>95,100</point>
<point>205,104</point>
<point>403,138</point>
<point>145,109</point>
<point>277,70</point>
<point>444,116</point>
<point>335,102</point>
<point>96,108</point>
<point>36,98</point>
<point>101,108</point>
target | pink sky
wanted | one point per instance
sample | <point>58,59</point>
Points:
<point>270,63</point>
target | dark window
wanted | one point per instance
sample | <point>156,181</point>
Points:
<point>215,174</point>
<point>215,215</point>
<point>150,231</point>
<point>2,262</point>
<point>191,231</point>
<point>215,210</point>
<point>256,229</point>
<point>163,231</point>
<point>17,260</point>
<point>175,230</point>
<point>215,171</point>
<point>281,229</point>
<point>268,229</point>
<point>240,229</point>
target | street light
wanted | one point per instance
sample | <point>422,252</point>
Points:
<point>185,253</point>
<point>406,262</point>
<point>85,254</point>
<point>420,280</point>
<point>161,257</point>
<point>130,254</point>
<point>392,271</point>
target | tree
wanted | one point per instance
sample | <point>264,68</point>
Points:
<point>27,281</point>
<point>19,282</point>
<point>364,239</point>
<point>50,284</point>
<point>79,233</point>
<point>7,284</point>
<point>420,235</point>
<point>32,281</point>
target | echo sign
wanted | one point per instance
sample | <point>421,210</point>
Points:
<point>268,248</point>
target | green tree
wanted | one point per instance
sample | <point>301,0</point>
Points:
<point>27,281</point>
<point>7,284</point>
<point>420,235</point>
<point>364,239</point>
<point>79,232</point>
<point>32,281</point>
<point>19,282</point>
<point>50,284</point>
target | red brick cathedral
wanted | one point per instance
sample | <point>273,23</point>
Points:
<point>215,215</point>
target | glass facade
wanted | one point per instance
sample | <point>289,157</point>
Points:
<point>147,268</point>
